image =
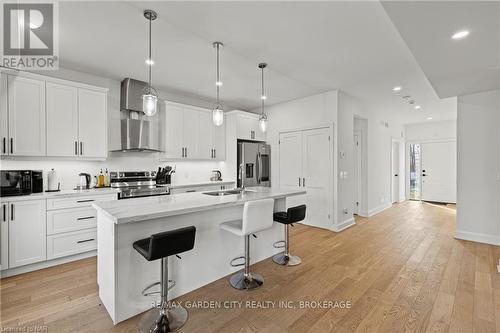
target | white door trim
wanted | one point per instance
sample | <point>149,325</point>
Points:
<point>401,143</point>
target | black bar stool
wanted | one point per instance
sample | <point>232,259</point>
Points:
<point>292,215</point>
<point>160,246</point>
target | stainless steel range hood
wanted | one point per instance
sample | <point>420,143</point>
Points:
<point>137,131</point>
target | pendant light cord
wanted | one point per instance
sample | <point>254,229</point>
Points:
<point>262,95</point>
<point>149,60</point>
<point>217,83</point>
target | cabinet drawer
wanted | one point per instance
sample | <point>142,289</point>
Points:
<point>77,202</point>
<point>66,220</point>
<point>70,243</point>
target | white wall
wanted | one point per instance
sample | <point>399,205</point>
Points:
<point>187,172</point>
<point>431,131</point>
<point>478,142</point>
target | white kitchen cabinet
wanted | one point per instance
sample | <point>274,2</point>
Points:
<point>4,118</point>
<point>4,237</point>
<point>247,126</point>
<point>70,243</point>
<point>92,129</point>
<point>26,116</point>
<point>172,132</point>
<point>62,120</point>
<point>189,134</point>
<point>27,232</point>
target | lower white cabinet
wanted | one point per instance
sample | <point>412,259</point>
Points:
<point>27,232</point>
<point>69,243</point>
<point>4,237</point>
<point>66,220</point>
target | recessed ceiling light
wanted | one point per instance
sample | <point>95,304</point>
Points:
<point>429,118</point>
<point>460,34</point>
<point>417,107</point>
<point>397,88</point>
<point>150,62</point>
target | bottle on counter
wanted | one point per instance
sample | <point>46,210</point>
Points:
<point>107,179</point>
<point>100,179</point>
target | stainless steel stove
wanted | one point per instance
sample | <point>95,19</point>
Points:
<point>135,184</point>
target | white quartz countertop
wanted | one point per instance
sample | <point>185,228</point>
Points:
<point>199,184</point>
<point>140,209</point>
<point>62,193</point>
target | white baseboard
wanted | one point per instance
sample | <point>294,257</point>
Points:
<point>477,237</point>
<point>45,264</point>
<point>379,209</point>
<point>344,225</point>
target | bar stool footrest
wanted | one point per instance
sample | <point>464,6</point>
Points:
<point>279,244</point>
<point>237,264</point>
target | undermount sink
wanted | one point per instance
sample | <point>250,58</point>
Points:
<point>227,192</point>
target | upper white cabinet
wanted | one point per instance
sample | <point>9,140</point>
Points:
<point>26,116</point>
<point>62,120</point>
<point>189,133</point>
<point>43,116</point>
<point>92,123</point>
<point>247,126</point>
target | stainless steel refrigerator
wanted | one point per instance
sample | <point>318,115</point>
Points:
<point>254,164</point>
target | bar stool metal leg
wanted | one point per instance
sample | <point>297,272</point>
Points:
<point>245,280</point>
<point>163,318</point>
<point>285,258</point>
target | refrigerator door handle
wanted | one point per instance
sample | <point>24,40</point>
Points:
<point>259,168</point>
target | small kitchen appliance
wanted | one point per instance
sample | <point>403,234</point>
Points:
<point>216,176</point>
<point>20,182</point>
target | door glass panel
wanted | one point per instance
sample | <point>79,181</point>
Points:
<point>415,172</point>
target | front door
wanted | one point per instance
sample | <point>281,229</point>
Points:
<point>439,172</point>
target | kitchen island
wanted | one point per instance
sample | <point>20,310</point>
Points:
<point>122,273</point>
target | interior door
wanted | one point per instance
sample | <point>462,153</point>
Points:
<point>439,172</point>
<point>92,122</point>
<point>26,116</point>
<point>316,176</point>
<point>290,165</point>
<point>62,120</point>
<point>395,172</point>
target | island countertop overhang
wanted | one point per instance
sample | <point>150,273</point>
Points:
<point>141,209</point>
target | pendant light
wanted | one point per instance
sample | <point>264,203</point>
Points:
<point>263,116</point>
<point>149,94</point>
<point>218,108</point>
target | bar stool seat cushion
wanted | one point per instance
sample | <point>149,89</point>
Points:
<point>233,227</point>
<point>292,215</point>
<point>166,243</point>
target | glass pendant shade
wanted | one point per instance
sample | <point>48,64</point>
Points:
<point>149,104</point>
<point>263,122</point>
<point>218,115</point>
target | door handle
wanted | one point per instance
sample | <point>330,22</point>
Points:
<point>85,240</point>
<point>81,147</point>
<point>85,218</point>
<point>4,209</point>
<point>182,152</point>
<point>186,150</point>
<point>215,153</point>
<point>89,200</point>
<point>303,182</point>
<point>12,212</point>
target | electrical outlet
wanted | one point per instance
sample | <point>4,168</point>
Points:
<point>346,211</point>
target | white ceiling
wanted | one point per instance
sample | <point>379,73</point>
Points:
<point>311,47</point>
<point>454,67</point>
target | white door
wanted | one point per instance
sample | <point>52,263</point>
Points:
<point>357,171</point>
<point>290,165</point>
<point>4,118</point>
<point>439,172</point>
<point>205,137</point>
<point>190,132</point>
<point>62,120</point>
<point>26,116</point>
<point>92,123</point>
<point>27,233</point>
<point>219,142</point>
<point>4,237</point>
<point>316,176</point>
<point>395,172</point>
<point>173,131</point>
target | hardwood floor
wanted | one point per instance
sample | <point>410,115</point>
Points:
<point>401,270</point>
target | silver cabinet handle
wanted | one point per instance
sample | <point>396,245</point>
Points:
<point>4,209</point>
<point>85,240</point>
<point>215,153</point>
<point>88,200</point>
<point>212,153</point>
<point>4,145</point>
<point>299,182</point>
<point>182,152</point>
<point>76,147</point>
<point>303,182</point>
<point>12,145</point>
<point>12,212</point>
<point>186,152</point>
<point>81,147</point>
<point>85,218</point>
